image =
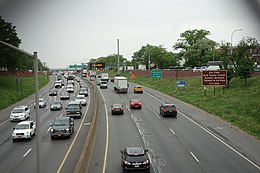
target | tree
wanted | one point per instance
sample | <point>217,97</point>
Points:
<point>158,56</point>
<point>195,47</point>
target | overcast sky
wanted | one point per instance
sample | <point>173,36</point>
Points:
<point>65,32</point>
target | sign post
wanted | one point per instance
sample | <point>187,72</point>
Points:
<point>155,74</point>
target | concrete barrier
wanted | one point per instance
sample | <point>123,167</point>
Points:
<point>85,157</point>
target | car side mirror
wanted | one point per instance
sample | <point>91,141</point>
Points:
<point>14,128</point>
<point>146,150</point>
<point>66,108</point>
<point>51,124</point>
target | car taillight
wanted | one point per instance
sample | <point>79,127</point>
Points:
<point>175,110</point>
<point>165,110</point>
<point>113,109</point>
<point>122,109</point>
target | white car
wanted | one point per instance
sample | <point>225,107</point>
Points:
<point>103,84</point>
<point>20,113</point>
<point>81,99</point>
<point>24,130</point>
<point>58,84</point>
<point>42,103</point>
<point>70,89</point>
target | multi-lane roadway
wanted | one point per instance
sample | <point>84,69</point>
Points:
<point>59,155</point>
<point>193,142</point>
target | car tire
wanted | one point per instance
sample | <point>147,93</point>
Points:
<point>30,137</point>
<point>14,140</point>
<point>52,137</point>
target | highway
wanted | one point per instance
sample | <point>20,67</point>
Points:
<point>59,155</point>
<point>189,143</point>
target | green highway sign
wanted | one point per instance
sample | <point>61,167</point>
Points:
<point>156,74</point>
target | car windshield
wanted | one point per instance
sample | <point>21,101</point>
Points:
<point>83,89</point>
<point>60,122</point>
<point>56,103</point>
<point>80,98</point>
<point>17,111</point>
<point>41,100</point>
<point>74,106</point>
<point>22,126</point>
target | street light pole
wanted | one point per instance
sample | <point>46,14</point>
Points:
<point>231,49</point>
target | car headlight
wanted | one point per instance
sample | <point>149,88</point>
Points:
<point>126,162</point>
<point>13,134</point>
<point>52,130</point>
<point>146,162</point>
<point>67,129</point>
<point>27,133</point>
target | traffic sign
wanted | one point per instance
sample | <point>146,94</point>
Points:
<point>214,78</point>
<point>181,83</point>
<point>156,74</point>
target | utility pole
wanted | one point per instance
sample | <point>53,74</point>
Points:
<point>118,57</point>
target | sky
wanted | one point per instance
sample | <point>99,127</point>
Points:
<point>65,32</point>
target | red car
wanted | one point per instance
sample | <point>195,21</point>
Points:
<point>135,103</point>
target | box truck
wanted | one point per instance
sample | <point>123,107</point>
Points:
<point>120,84</point>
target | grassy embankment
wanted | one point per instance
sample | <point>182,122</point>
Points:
<point>11,93</point>
<point>239,105</point>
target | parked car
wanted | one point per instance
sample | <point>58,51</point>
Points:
<point>81,99</point>
<point>138,89</point>
<point>83,91</point>
<point>196,69</point>
<point>20,113</point>
<point>62,127</point>
<point>56,105</point>
<point>24,130</point>
<point>168,109</point>
<point>135,103</point>
<point>213,67</point>
<point>53,92</point>
<point>203,68</point>
<point>74,109</point>
<point>135,159</point>
<point>64,95</point>
<point>117,109</point>
<point>103,84</point>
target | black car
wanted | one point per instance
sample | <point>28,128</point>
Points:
<point>168,109</point>
<point>53,92</point>
<point>64,95</point>
<point>117,109</point>
<point>74,109</point>
<point>135,159</point>
<point>62,127</point>
<point>56,105</point>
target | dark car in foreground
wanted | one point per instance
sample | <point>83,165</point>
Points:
<point>168,109</point>
<point>62,127</point>
<point>135,159</point>
<point>56,105</point>
<point>117,109</point>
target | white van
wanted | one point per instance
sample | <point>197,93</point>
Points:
<point>213,67</point>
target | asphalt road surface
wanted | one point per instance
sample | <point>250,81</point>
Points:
<point>194,141</point>
<point>59,155</point>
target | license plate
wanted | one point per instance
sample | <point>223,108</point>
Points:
<point>136,166</point>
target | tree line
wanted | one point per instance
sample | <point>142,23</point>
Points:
<point>11,60</point>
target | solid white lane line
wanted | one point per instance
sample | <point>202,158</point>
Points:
<point>194,156</point>
<point>153,111</point>
<point>27,152</point>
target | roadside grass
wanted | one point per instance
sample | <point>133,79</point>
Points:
<point>239,105</point>
<point>12,93</point>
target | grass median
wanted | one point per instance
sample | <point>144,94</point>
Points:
<point>239,105</point>
<point>14,89</point>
